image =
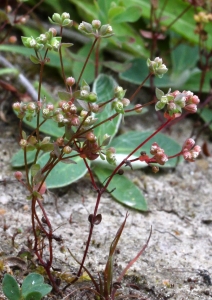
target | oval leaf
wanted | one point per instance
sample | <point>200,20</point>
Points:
<point>104,88</point>
<point>18,158</point>
<point>10,288</point>
<point>64,174</point>
<point>126,192</point>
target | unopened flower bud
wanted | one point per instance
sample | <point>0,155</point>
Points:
<point>155,169</point>
<point>23,143</point>
<point>192,108</point>
<point>60,141</point>
<point>125,102</point>
<point>16,106</point>
<point>12,39</point>
<point>65,15</point>
<point>96,24</point>
<point>154,148</point>
<point>195,100</point>
<point>138,108</point>
<point>157,67</point>
<point>90,136</point>
<point>53,30</point>
<point>75,121</point>
<point>18,175</point>
<point>94,107</point>
<point>56,18</point>
<point>31,107</point>
<point>67,149</point>
<point>50,106</point>
<point>8,9</point>
<point>70,81</point>
<point>189,144</point>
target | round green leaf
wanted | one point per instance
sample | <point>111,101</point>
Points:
<point>126,192</point>
<point>10,288</point>
<point>34,282</point>
<point>33,296</point>
<point>18,158</point>
<point>64,174</point>
<point>104,88</point>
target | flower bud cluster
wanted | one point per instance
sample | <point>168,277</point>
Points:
<point>158,153</point>
<point>66,113</point>
<point>45,40</point>
<point>110,157</point>
<point>175,101</point>
<point>120,102</point>
<point>62,20</point>
<point>96,29</point>
<point>203,17</point>
<point>157,67</point>
<point>28,110</point>
<point>190,150</point>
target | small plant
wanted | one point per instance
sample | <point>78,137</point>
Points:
<point>79,138</point>
<point>33,287</point>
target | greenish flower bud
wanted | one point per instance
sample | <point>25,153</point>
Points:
<point>23,143</point>
<point>180,100</point>
<point>65,15</point>
<point>56,18</point>
<point>111,159</point>
<point>86,27</point>
<point>31,107</point>
<point>159,105</point>
<point>118,106</point>
<point>106,31</point>
<point>42,38</point>
<point>16,106</point>
<point>92,97</point>
<point>55,43</point>
<point>119,92</point>
<point>67,22</point>
<point>157,67</point>
<point>67,149</point>
<point>84,94</point>
<point>46,112</point>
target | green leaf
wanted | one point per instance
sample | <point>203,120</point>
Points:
<point>9,71</point>
<point>34,59</point>
<point>49,98</point>
<point>10,288</point>
<point>108,272</point>
<point>131,196</point>
<point>33,296</point>
<point>115,11</point>
<point>131,14</point>
<point>126,143</point>
<point>53,56</point>
<point>104,88</point>
<point>35,168</point>
<point>18,158</point>
<point>64,174</point>
<point>49,127</point>
<point>35,283</point>
<point>206,115</point>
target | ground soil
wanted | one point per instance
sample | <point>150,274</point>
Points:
<point>178,261</point>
